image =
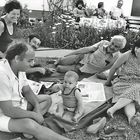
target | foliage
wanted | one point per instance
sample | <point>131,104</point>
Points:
<point>23,21</point>
<point>66,35</point>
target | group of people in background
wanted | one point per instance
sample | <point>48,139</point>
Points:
<point>115,13</point>
<point>22,111</point>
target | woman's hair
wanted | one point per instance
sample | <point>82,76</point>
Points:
<point>100,4</point>
<point>136,44</point>
<point>120,39</point>
<point>79,2</point>
<point>72,74</point>
<point>11,5</point>
<point>17,48</point>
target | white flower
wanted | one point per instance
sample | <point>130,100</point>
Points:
<point>54,27</point>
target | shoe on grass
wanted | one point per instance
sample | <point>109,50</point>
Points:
<point>94,128</point>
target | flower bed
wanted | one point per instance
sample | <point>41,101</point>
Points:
<point>66,35</point>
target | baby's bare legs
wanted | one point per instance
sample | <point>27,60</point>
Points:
<point>122,102</point>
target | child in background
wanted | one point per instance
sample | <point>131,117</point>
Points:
<point>72,99</point>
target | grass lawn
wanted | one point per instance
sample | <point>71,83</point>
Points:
<point>119,120</point>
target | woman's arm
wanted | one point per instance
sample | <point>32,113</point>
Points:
<point>85,50</point>
<point>1,27</point>
<point>110,64</point>
<point>121,60</point>
<point>86,12</point>
<point>2,55</point>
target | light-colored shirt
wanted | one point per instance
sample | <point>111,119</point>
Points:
<point>79,13</point>
<point>11,85</point>
<point>94,62</point>
<point>116,12</point>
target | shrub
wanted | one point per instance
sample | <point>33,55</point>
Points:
<point>67,36</point>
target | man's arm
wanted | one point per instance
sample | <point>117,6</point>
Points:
<point>30,97</point>
<point>18,113</point>
<point>36,69</point>
<point>85,49</point>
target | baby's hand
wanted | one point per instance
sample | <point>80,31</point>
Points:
<point>75,118</point>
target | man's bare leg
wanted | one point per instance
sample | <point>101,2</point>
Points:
<point>33,128</point>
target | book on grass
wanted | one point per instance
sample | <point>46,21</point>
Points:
<point>91,91</point>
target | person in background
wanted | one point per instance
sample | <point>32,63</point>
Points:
<point>34,41</point>
<point>8,22</point>
<point>117,12</point>
<point>72,99</point>
<point>126,86</point>
<point>80,10</point>
<point>37,71</point>
<point>95,59</point>
<point>21,110</point>
<point>100,11</point>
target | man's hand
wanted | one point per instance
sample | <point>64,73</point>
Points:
<point>41,70</point>
<point>109,84</point>
<point>52,70</point>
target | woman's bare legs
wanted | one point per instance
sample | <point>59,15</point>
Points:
<point>63,69</point>
<point>33,128</point>
<point>69,60</point>
<point>122,102</point>
<point>130,111</point>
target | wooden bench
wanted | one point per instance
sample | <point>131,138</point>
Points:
<point>133,22</point>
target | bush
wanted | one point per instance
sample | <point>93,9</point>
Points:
<point>67,36</point>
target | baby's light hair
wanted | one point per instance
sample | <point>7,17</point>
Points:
<point>120,39</point>
<point>72,74</point>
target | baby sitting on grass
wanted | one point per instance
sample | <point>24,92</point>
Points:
<point>72,99</point>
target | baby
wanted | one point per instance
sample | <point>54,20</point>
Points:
<point>72,99</point>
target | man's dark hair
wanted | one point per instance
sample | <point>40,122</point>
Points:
<point>11,5</point>
<point>32,36</point>
<point>100,4</point>
<point>16,48</point>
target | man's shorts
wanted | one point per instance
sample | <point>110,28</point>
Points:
<point>4,120</point>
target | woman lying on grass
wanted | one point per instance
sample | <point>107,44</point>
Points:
<point>94,59</point>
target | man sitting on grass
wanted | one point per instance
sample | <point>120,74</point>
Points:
<point>37,71</point>
<point>20,109</point>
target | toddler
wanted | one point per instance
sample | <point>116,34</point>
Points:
<point>72,99</point>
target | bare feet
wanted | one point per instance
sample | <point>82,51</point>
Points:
<point>94,128</point>
<point>57,62</point>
